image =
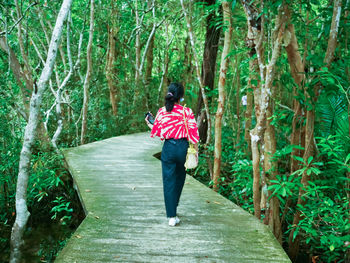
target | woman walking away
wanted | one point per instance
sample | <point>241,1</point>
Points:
<point>169,125</point>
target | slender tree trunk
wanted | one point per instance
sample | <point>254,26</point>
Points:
<point>18,73</point>
<point>252,85</point>
<point>26,68</point>
<point>149,56</point>
<point>163,83</point>
<point>59,92</point>
<point>137,45</point>
<point>238,105</point>
<point>148,73</point>
<point>141,62</point>
<point>254,32</point>
<point>293,249</point>
<point>298,74</point>
<point>272,214</point>
<point>111,55</point>
<point>88,75</point>
<point>226,7</point>
<point>199,78</point>
<point>187,75</point>
<point>262,96</point>
<point>210,52</point>
<point>110,69</point>
<point>332,41</point>
<point>22,213</point>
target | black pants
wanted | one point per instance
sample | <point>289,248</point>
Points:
<point>174,172</point>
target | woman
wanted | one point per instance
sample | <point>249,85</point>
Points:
<point>169,125</point>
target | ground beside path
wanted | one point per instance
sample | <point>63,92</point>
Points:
<point>119,183</point>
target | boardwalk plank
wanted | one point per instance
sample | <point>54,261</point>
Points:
<point>119,183</point>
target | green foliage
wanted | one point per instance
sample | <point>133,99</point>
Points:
<point>61,210</point>
<point>284,186</point>
<point>325,225</point>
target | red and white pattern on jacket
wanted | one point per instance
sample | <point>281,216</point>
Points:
<point>169,125</point>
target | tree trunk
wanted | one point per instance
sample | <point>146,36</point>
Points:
<point>111,55</point>
<point>26,90</point>
<point>253,65</point>
<point>163,83</point>
<point>19,74</point>
<point>187,74</point>
<point>262,97</point>
<point>199,78</point>
<point>22,213</point>
<point>26,68</point>
<point>332,41</point>
<point>137,45</point>
<point>298,74</point>
<point>226,7</point>
<point>88,75</point>
<point>238,104</point>
<point>272,214</point>
<point>148,73</point>
<point>141,62</point>
<point>59,92</point>
<point>110,69</point>
<point>293,249</point>
<point>211,44</point>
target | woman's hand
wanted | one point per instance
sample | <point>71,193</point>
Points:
<point>148,123</point>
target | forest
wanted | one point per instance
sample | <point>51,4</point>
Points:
<point>268,81</point>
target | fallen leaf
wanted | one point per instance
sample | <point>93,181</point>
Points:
<point>133,188</point>
<point>217,203</point>
<point>116,257</point>
<point>87,190</point>
<point>207,201</point>
<point>97,217</point>
<point>78,236</point>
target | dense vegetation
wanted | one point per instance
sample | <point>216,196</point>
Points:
<point>285,130</point>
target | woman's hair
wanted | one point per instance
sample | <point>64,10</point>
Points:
<point>174,94</point>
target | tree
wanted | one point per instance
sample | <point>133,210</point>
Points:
<point>310,125</point>
<point>22,213</point>
<point>262,94</point>
<point>210,52</point>
<point>88,75</point>
<point>199,78</point>
<point>226,9</point>
<point>111,57</point>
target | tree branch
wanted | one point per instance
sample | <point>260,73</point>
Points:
<point>18,21</point>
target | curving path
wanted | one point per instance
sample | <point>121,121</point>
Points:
<point>119,184</point>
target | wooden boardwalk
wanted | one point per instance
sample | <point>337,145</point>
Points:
<point>119,183</point>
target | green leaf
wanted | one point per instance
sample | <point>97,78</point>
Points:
<point>309,160</point>
<point>284,192</point>
<point>347,158</point>
<point>298,158</point>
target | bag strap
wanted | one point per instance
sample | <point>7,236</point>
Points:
<point>183,112</point>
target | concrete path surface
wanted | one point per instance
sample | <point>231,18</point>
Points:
<point>119,183</point>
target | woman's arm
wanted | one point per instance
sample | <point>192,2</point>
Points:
<point>148,123</point>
